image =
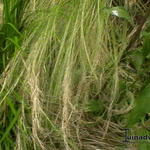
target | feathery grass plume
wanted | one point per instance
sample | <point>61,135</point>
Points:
<point>70,57</point>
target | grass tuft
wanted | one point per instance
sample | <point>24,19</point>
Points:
<point>68,78</point>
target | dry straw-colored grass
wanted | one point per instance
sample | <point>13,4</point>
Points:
<point>71,54</point>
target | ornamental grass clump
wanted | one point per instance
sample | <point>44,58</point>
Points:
<point>68,84</point>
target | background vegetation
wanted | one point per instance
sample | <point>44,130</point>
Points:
<point>74,73</point>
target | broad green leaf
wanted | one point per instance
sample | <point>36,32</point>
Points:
<point>137,59</point>
<point>94,106</point>
<point>121,13</point>
<point>148,56</point>
<point>146,45</point>
<point>142,106</point>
